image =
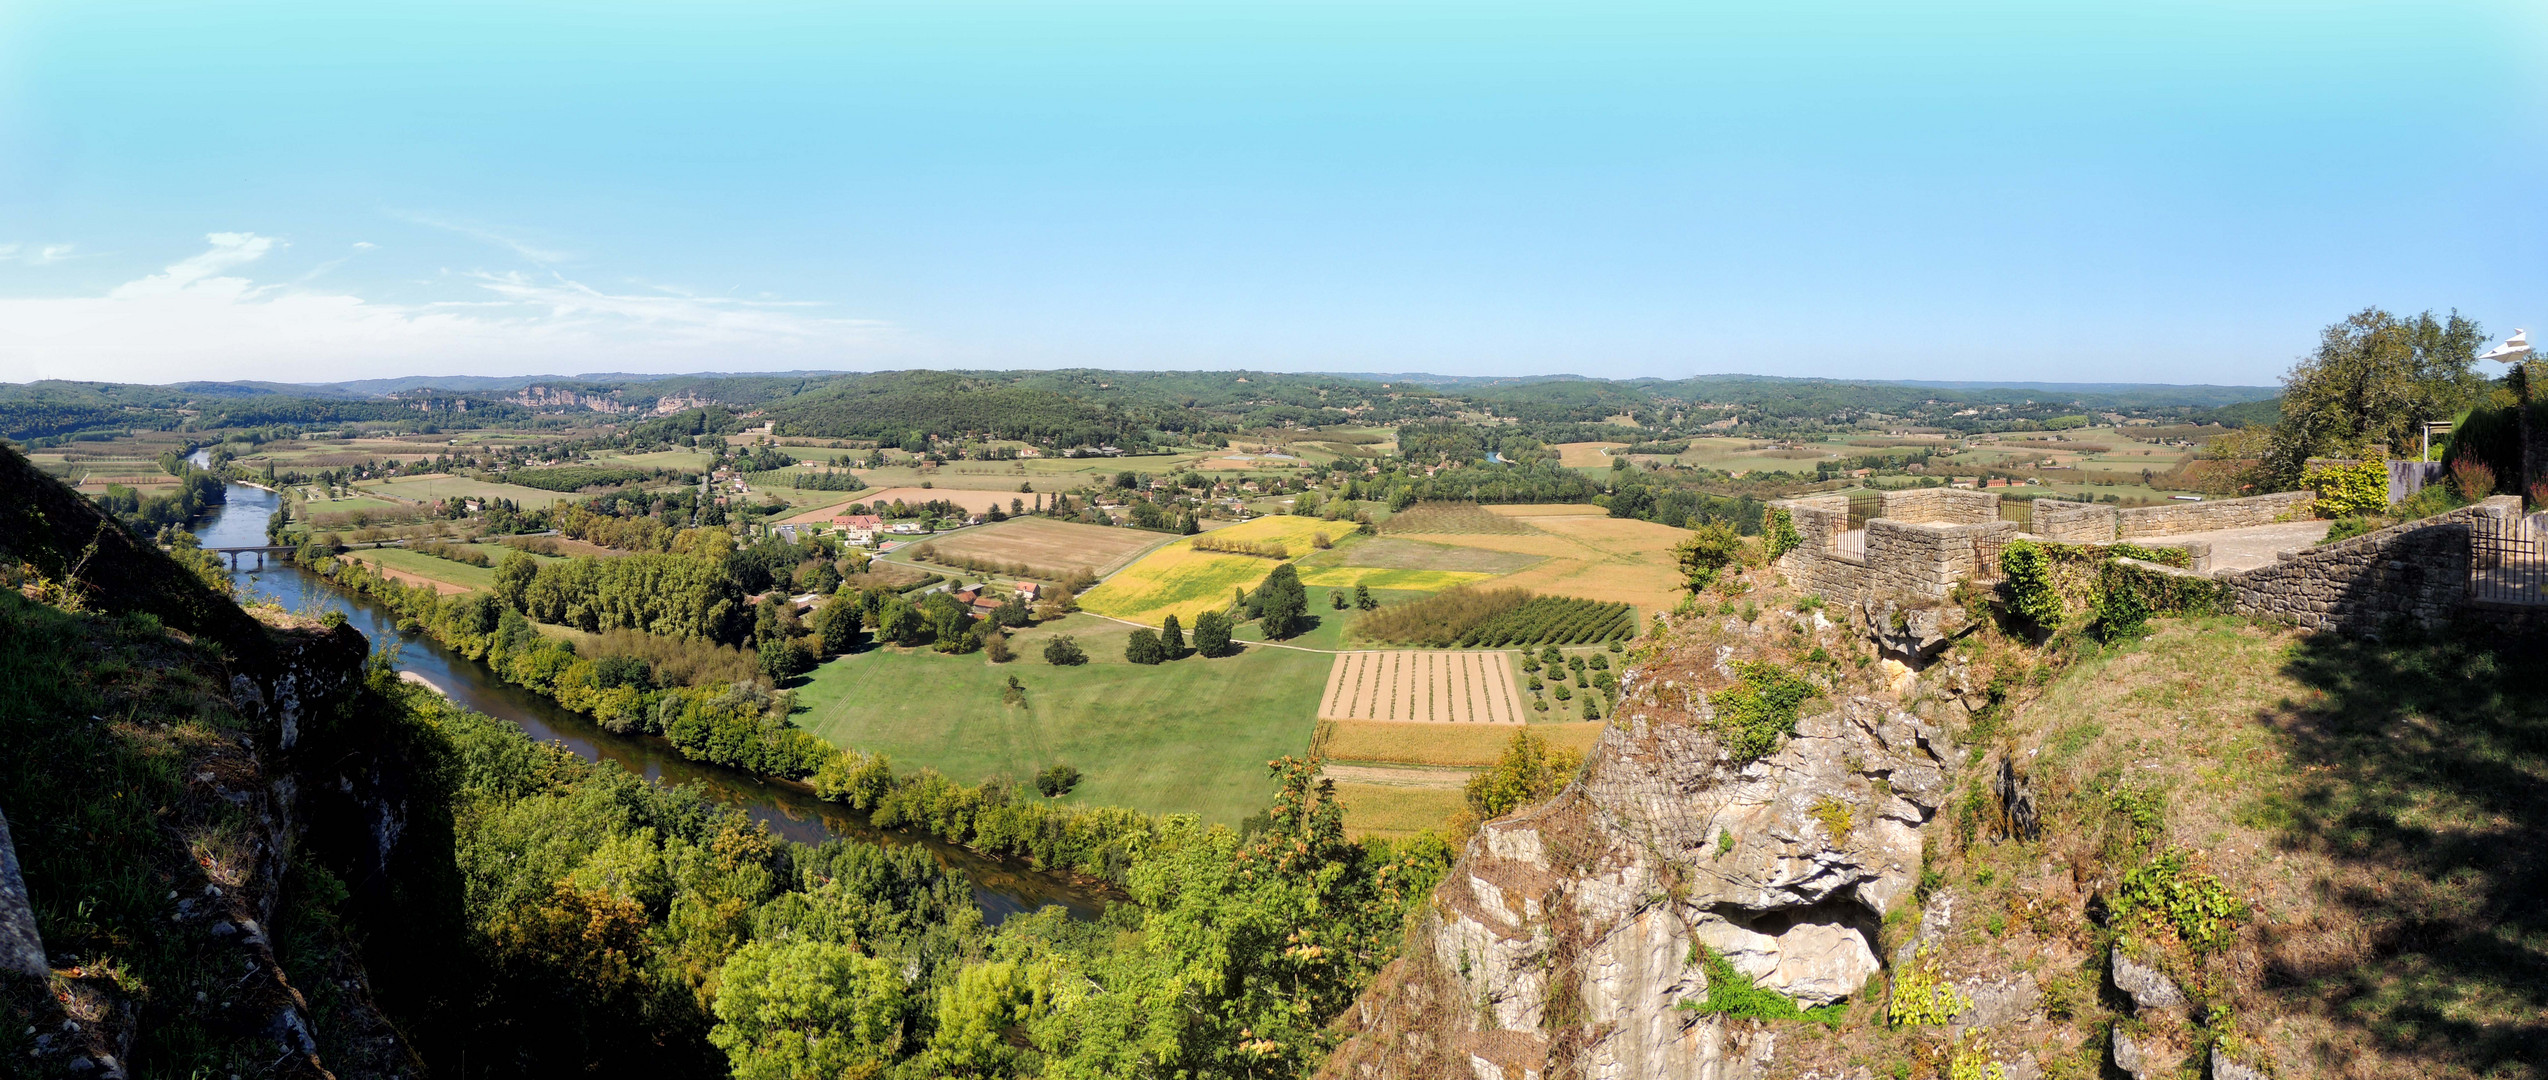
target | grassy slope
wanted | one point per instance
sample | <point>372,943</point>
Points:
<point>1189,736</point>
<point>2376,805</point>
<point>2380,803</point>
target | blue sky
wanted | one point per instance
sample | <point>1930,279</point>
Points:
<point>2158,192</point>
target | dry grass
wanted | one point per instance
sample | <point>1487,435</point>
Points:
<point>1397,553</point>
<point>1539,510</point>
<point>1394,812</point>
<point>1439,744</point>
<point>1449,519</point>
<point>1598,558</point>
<point>1585,455</point>
<point>1044,543</point>
<point>1346,577</point>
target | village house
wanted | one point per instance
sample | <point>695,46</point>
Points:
<point>858,528</point>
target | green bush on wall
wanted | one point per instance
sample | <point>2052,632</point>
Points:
<point>2350,490</point>
<point>1778,534</point>
<point>2048,583</point>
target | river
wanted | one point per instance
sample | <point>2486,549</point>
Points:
<point>1001,889</point>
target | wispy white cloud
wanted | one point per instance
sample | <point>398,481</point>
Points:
<point>538,253</point>
<point>44,255</point>
<point>203,316</point>
<point>364,245</point>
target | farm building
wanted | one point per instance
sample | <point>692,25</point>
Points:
<point>858,528</point>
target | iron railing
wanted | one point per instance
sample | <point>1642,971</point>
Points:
<point>2508,561</point>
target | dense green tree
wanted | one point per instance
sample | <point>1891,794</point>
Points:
<point>1172,637</point>
<point>808,1010</point>
<point>2374,379</point>
<point>1284,603</point>
<point>1143,647</point>
<point>784,658</point>
<point>1363,599</point>
<point>1212,634</point>
<point>838,622</point>
<point>1064,651</point>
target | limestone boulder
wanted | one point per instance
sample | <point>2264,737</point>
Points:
<point>2147,986</point>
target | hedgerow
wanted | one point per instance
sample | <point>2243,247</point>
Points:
<point>574,477</point>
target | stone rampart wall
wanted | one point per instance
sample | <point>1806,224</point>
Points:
<point>2172,518</point>
<point>1925,558</point>
<point>1946,505</point>
<point>2074,522</point>
<point>2417,572</point>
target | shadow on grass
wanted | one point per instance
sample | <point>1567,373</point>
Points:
<point>2427,775</point>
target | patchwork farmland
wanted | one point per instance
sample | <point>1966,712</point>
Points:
<point>1422,686</point>
<point>1047,548</point>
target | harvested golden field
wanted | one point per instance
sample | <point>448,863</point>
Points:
<point>1393,812</point>
<point>1439,744</point>
<point>1415,685</point>
<point>1399,553</point>
<point>1541,510</point>
<point>1448,518</point>
<point>1043,544</point>
<point>1346,577</point>
<point>1585,455</point>
<point>1596,557</point>
<point>1181,581</point>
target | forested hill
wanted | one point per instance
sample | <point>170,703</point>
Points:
<point>917,404</point>
<point>1091,407</point>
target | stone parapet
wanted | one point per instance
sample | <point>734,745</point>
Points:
<point>2141,522</point>
<point>2074,522</point>
<point>1950,506</point>
<point>2417,573</point>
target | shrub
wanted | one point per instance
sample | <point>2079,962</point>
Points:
<point>2474,479</point>
<point>2168,892</point>
<point>1056,781</point>
<point>1921,994</point>
<point>1761,706</point>
<point>1778,534</point>
<point>2350,490</point>
<point>1064,651</point>
<point>1528,772</point>
<point>1711,547</point>
<point>1732,993</point>
<point>2350,527</point>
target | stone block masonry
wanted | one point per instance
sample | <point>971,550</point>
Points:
<point>2416,573</point>
<point>2089,523</point>
<point>1946,506</point>
<point>1921,543</point>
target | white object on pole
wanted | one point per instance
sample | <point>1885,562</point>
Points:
<point>2514,348</point>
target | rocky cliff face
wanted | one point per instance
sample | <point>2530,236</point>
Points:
<point>1565,940</point>
<point>240,736</point>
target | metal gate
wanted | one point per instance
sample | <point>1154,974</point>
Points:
<point>2508,561</point>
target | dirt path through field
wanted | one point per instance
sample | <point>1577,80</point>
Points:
<point>1415,776</point>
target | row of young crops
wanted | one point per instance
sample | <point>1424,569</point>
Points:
<point>1555,620</point>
